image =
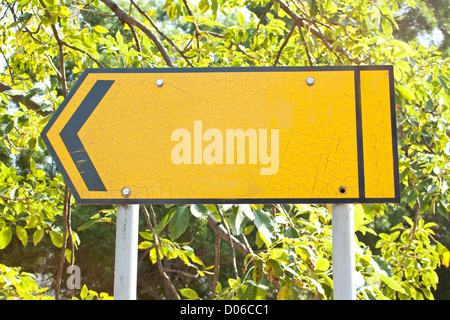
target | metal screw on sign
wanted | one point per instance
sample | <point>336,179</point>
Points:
<point>310,81</point>
<point>126,192</point>
<point>159,82</point>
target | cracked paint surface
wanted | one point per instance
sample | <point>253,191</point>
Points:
<point>128,135</point>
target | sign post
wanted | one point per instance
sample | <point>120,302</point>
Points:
<point>229,135</point>
<point>125,269</point>
<point>343,242</point>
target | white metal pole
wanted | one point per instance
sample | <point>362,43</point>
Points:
<point>343,238</point>
<point>125,269</point>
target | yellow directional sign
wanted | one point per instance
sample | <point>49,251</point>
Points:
<point>229,135</point>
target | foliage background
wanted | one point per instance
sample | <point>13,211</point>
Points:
<point>222,252</point>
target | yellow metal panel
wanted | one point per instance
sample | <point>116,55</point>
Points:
<point>310,154</point>
<point>377,132</point>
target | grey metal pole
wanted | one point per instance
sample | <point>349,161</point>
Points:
<point>125,269</point>
<point>343,239</point>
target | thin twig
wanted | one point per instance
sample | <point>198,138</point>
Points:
<point>300,21</point>
<point>82,51</point>
<point>233,255</point>
<point>64,243</point>
<point>141,11</point>
<point>136,39</point>
<point>149,290</point>
<point>182,273</point>
<point>97,12</point>
<point>220,230</point>
<point>67,194</point>
<point>269,6</point>
<point>216,266</point>
<point>124,16</point>
<point>158,258</point>
<point>60,48</point>
<point>308,55</point>
<point>286,40</point>
<point>413,233</point>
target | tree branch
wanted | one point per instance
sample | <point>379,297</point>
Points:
<point>220,230</point>
<point>124,16</point>
<point>216,266</point>
<point>233,254</point>
<point>269,6</point>
<point>155,243</point>
<point>413,232</point>
<point>61,50</point>
<point>306,48</point>
<point>66,217</point>
<point>149,290</point>
<point>82,51</point>
<point>286,40</point>
<point>316,32</point>
<point>141,11</point>
<point>30,104</point>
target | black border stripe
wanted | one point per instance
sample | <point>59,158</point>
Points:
<point>235,201</point>
<point>359,135</point>
<point>233,69</point>
<point>69,135</point>
<point>394,134</point>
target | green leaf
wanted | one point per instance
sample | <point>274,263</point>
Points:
<point>387,27</point>
<point>101,29</point>
<point>266,226</point>
<point>5,237</point>
<point>391,283</point>
<point>25,17</point>
<point>257,274</point>
<point>31,93</point>
<point>179,222</point>
<point>358,216</point>
<point>412,197</point>
<point>285,292</point>
<point>241,18</point>
<point>212,23</point>
<point>37,236</point>
<point>275,267</point>
<point>68,254</point>
<point>22,235</point>
<point>238,221</point>
<point>314,8</point>
<point>446,259</point>
<point>199,211</point>
<point>22,4</point>
<point>119,38</point>
<point>162,224</point>
<point>145,245</point>
<point>322,264</point>
<point>247,210</point>
<point>153,255</point>
<point>189,19</point>
<point>405,93</point>
<point>146,235</point>
<point>86,225</point>
<point>189,294</point>
<point>6,126</point>
<point>84,292</point>
<point>57,239</point>
<point>218,288</point>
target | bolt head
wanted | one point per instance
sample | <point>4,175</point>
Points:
<point>126,192</point>
<point>159,82</point>
<point>310,81</point>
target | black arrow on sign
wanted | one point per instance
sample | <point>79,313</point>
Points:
<point>69,135</point>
